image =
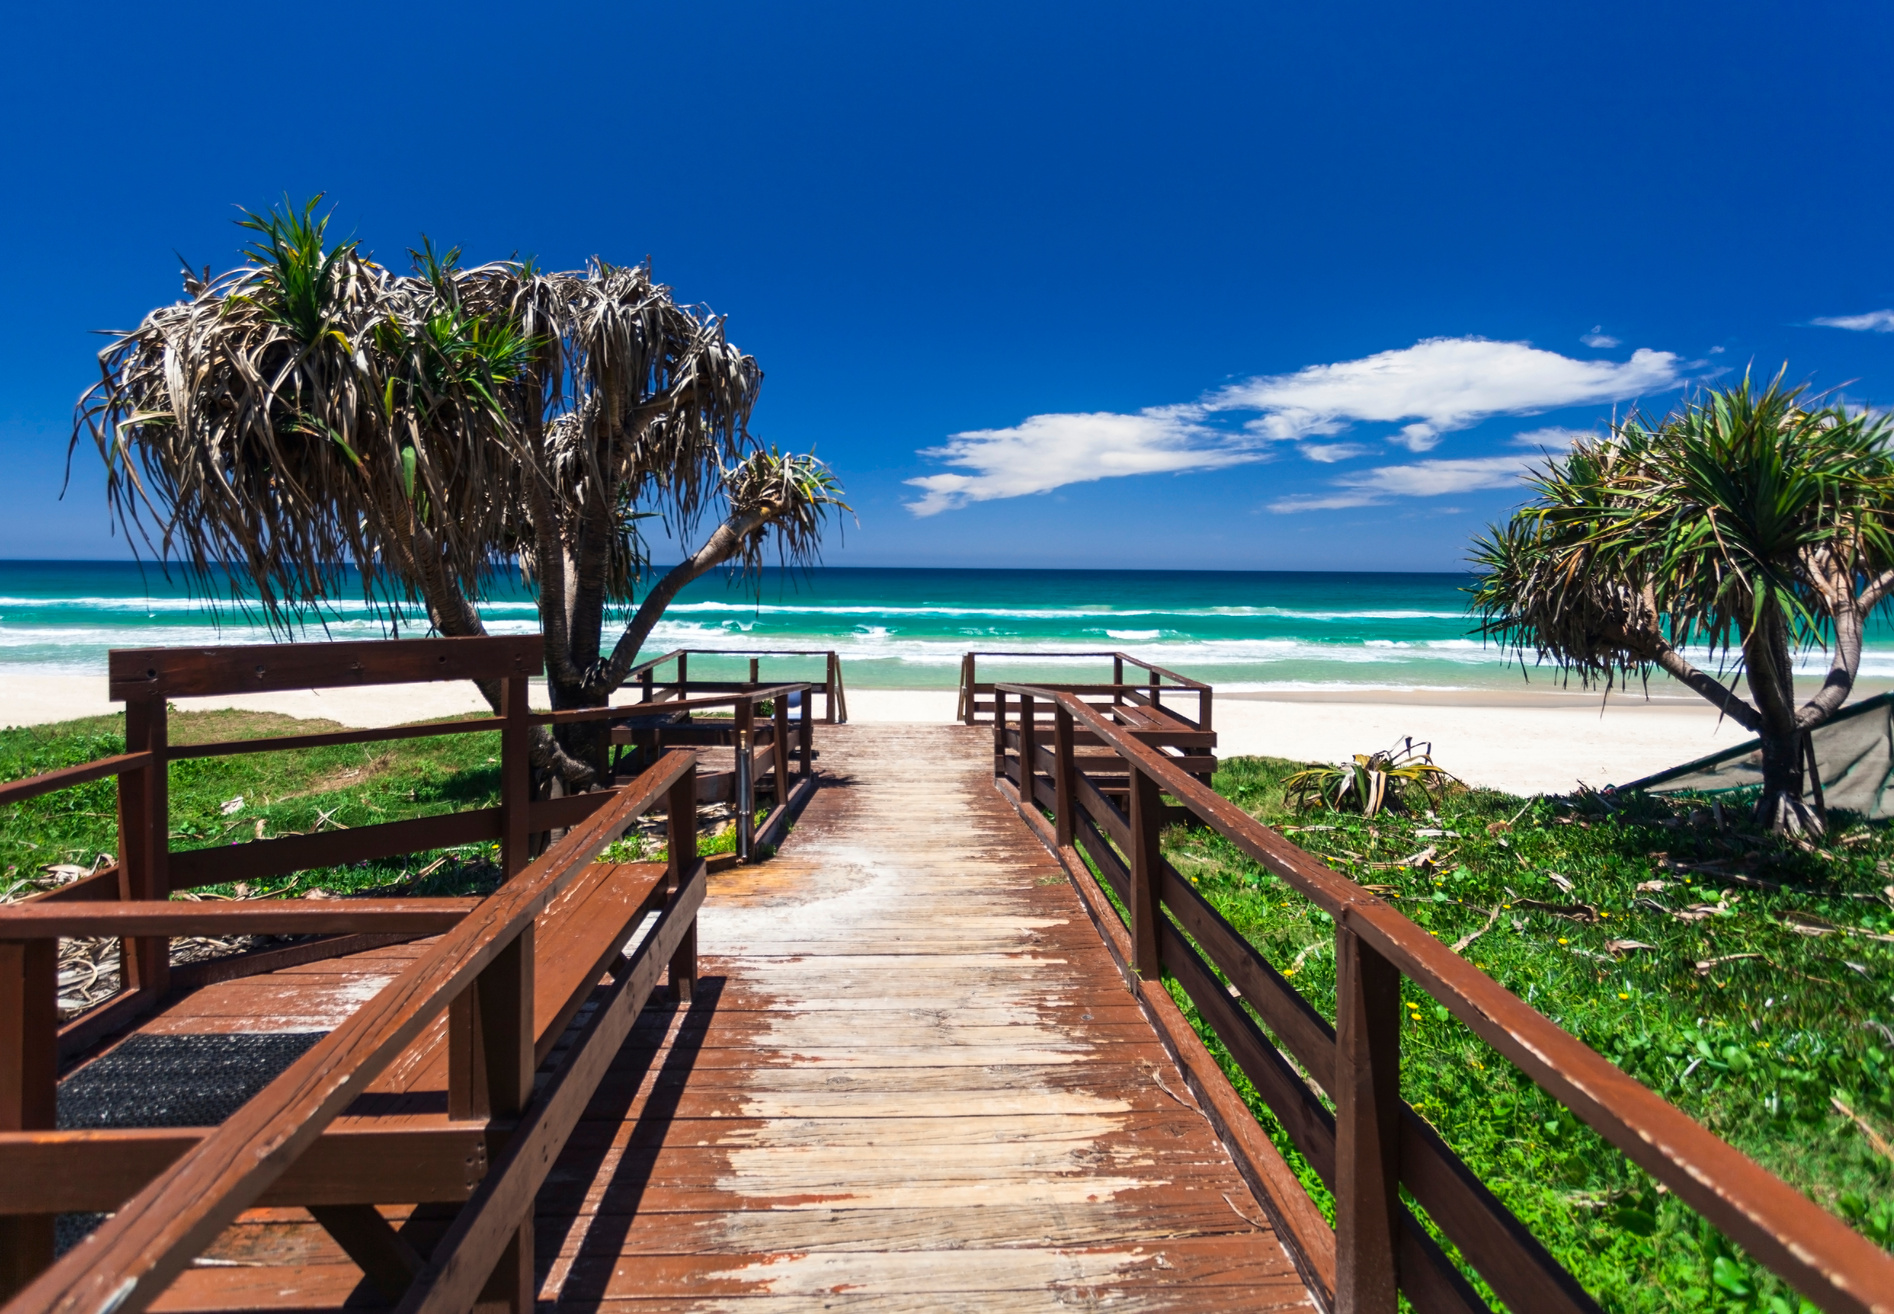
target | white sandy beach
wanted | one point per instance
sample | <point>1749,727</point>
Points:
<point>1523,742</point>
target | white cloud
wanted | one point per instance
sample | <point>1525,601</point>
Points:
<point>1875,321</point>
<point>1556,438</point>
<point>1438,385</point>
<point>1047,451</point>
<point>1431,388</point>
<point>1329,453</point>
<point>1420,479</point>
<point>1598,337</point>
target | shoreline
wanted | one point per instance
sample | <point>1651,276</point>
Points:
<point>1521,741</point>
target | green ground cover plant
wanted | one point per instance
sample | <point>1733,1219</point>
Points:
<point>223,800</point>
<point>1745,976</point>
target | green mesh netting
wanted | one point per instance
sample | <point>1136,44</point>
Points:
<point>1854,753</point>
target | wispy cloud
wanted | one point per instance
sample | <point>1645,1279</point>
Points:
<point>1555,438</point>
<point>1875,321</point>
<point>1598,337</point>
<point>1439,385</point>
<point>1047,451</point>
<point>1419,479</point>
<point>1431,388</point>
<point>1329,453</point>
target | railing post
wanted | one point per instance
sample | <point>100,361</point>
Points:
<point>1062,783</point>
<point>681,837</point>
<point>1203,708</point>
<point>516,776</point>
<point>490,1075</point>
<point>684,675</point>
<point>755,664</point>
<point>1117,678</point>
<point>646,684</point>
<point>1146,818</point>
<point>29,1069</point>
<point>964,712</point>
<point>805,735</point>
<point>144,840</point>
<point>1367,1125</point>
<point>745,785</point>
<point>1027,747</point>
<point>780,745</point>
<point>999,732</point>
<point>831,680</point>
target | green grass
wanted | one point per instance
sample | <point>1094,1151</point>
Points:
<point>283,793</point>
<point>1754,1017</point>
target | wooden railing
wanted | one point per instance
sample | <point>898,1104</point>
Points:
<point>147,868</point>
<point>1372,1145</point>
<point>1147,692</point>
<point>130,899</point>
<point>680,685</point>
<point>763,745</point>
<point>481,973</point>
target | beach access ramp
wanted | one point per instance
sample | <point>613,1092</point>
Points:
<point>943,1042</point>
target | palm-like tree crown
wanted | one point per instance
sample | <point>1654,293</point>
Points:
<point>1749,523</point>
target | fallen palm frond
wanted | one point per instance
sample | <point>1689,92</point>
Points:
<point>1370,783</point>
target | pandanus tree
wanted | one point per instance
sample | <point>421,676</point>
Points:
<point>312,423</point>
<point>1749,526</point>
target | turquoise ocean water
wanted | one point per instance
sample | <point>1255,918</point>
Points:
<point>903,628</point>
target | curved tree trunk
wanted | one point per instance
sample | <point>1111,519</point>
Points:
<point>590,742</point>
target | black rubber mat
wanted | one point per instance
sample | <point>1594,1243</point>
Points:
<point>170,1081</point>
<point>177,1081</point>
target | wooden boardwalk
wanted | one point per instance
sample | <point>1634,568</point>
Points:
<point>911,1078</point>
<point>905,1072</point>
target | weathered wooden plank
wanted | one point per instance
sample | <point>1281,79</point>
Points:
<point>41,921</point>
<point>197,672</point>
<point>82,1171</point>
<point>1198,1265</point>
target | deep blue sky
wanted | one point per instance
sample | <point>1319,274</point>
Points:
<point>926,221</point>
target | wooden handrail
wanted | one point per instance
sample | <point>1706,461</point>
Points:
<point>18,791</point>
<point>154,1236</point>
<point>50,921</point>
<point>621,711</point>
<point>145,673</point>
<point>1183,681</point>
<point>1814,1251</point>
<point>834,696</point>
<point>333,738</point>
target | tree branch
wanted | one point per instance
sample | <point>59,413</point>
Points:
<point>725,542</point>
<point>1653,647</point>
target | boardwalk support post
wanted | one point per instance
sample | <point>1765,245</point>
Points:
<point>999,734</point>
<point>1147,812</point>
<point>779,744</point>
<point>681,838</point>
<point>1062,775</point>
<point>745,740</point>
<point>29,1063</point>
<point>516,776</point>
<point>1026,749</point>
<point>144,829</point>
<point>490,1075</point>
<point>1367,1096</point>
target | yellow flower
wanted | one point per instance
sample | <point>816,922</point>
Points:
<point>1563,940</point>
<point>1622,995</point>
